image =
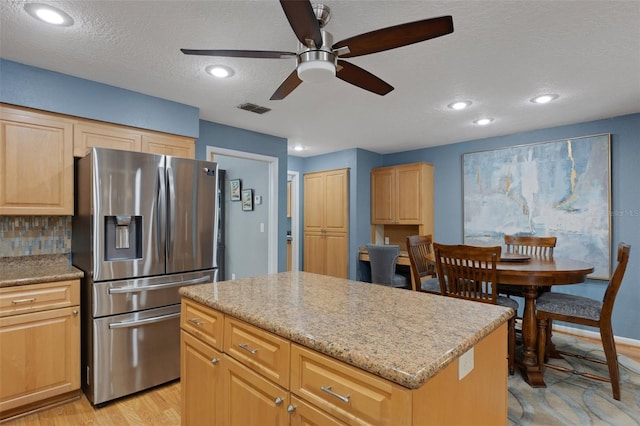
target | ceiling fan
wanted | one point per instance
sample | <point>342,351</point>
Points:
<point>318,57</point>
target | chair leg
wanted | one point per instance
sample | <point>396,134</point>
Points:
<point>543,324</point>
<point>511,343</point>
<point>609,345</point>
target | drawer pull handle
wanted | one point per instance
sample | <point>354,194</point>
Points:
<point>196,321</point>
<point>29,300</point>
<point>278,401</point>
<point>343,398</point>
<point>291,408</point>
<point>214,361</point>
<point>247,348</point>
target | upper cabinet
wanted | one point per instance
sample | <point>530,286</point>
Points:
<point>36,163</point>
<point>88,134</point>
<point>402,195</point>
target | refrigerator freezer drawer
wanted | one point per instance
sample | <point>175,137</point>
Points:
<point>118,297</point>
<point>133,352</point>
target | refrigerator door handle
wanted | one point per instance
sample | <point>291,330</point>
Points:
<point>171,212</point>
<point>128,324</point>
<point>161,211</point>
<point>133,289</point>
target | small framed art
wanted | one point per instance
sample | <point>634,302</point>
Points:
<point>247,199</point>
<point>235,186</point>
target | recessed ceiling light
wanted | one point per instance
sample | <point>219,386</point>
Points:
<point>459,105</point>
<point>48,14</point>
<point>298,148</point>
<point>543,99</point>
<point>219,71</point>
<point>483,121</point>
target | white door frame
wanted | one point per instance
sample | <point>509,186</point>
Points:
<point>272,234</point>
<point>295,220</point>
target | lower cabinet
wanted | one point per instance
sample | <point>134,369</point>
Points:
<point>261,379</point>
<point>40,341</point>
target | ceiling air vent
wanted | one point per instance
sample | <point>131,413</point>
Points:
<point>254,108</point>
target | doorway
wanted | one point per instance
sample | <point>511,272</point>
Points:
<point>293,179</point>
<point>257,245</point>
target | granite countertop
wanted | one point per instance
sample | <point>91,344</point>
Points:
<point>24,270</point>
<point>403,336</point>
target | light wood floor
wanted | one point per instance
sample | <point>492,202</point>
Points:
<point>158,406</point>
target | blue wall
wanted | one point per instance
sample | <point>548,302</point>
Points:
<point>625,202</point>
<point>221,136</point>
<point>51,91</point>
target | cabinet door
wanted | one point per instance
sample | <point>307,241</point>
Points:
<point>314,252</point>
<point>200,383</point>
<point>249,399</point>
<point>314,203</point>
<point>336,201</point>
<point>383,204</point>
<point>408,194</point>
<point>88,135</point>
<point>336,254</point>
<point>169,145</point>
<point>36,163</point>
<point>40,356</point>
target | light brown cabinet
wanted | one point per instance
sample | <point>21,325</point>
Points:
<point>263,379</point>
<point>36,163</point>
<point>89,134</point>
<point>326,222</point>
<point>401,202</point>
<point>40,341</point>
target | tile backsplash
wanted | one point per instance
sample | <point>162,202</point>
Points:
<point>34,235</point>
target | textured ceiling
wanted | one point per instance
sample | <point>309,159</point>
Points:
<point>501,54</point>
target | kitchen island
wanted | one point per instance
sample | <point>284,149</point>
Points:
<point>301,348</point>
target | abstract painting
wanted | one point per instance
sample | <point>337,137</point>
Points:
<point>559,188</point>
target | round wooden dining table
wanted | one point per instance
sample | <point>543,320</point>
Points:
<point>530,274</point>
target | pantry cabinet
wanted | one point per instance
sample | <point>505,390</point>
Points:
<point>40,341</point>
<point>326,222</point>
<point>36,163</point>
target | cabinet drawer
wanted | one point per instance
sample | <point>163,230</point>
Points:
<point>348,393</point>
<point>39,297</point>
<point>205,323</point>
<point>307,415</point>
<point>259,350</point>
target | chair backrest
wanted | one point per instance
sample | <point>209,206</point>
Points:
<point>614,285</point>
<point>468,272</point>
<point>421,258</point>
<point>530,245</point>
<point>383,260</point>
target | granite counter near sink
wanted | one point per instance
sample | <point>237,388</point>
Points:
<point>403,336</point>
<point>23,270</point>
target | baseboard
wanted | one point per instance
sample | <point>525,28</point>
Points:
<point>595,335</point>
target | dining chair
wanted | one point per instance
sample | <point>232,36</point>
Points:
<point>584,311</point>
<point>422,264</point>
<point>526,245</point>
<point>383,259</point>
<point>469,272</point>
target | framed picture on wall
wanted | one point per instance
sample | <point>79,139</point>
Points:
<point>247,199</point>
<point>235,189</point>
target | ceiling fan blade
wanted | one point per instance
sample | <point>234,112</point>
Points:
<point>267,54</point>
<point>286,87</point>
<point>362,78</point>
<point>396,36</point>
<point>303,21</point>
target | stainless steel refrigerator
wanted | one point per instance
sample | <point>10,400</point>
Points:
<point>145,225</point>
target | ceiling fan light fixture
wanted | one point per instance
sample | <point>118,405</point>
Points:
<point>316,71</point>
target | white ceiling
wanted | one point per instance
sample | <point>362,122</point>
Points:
<point>500,55</point>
